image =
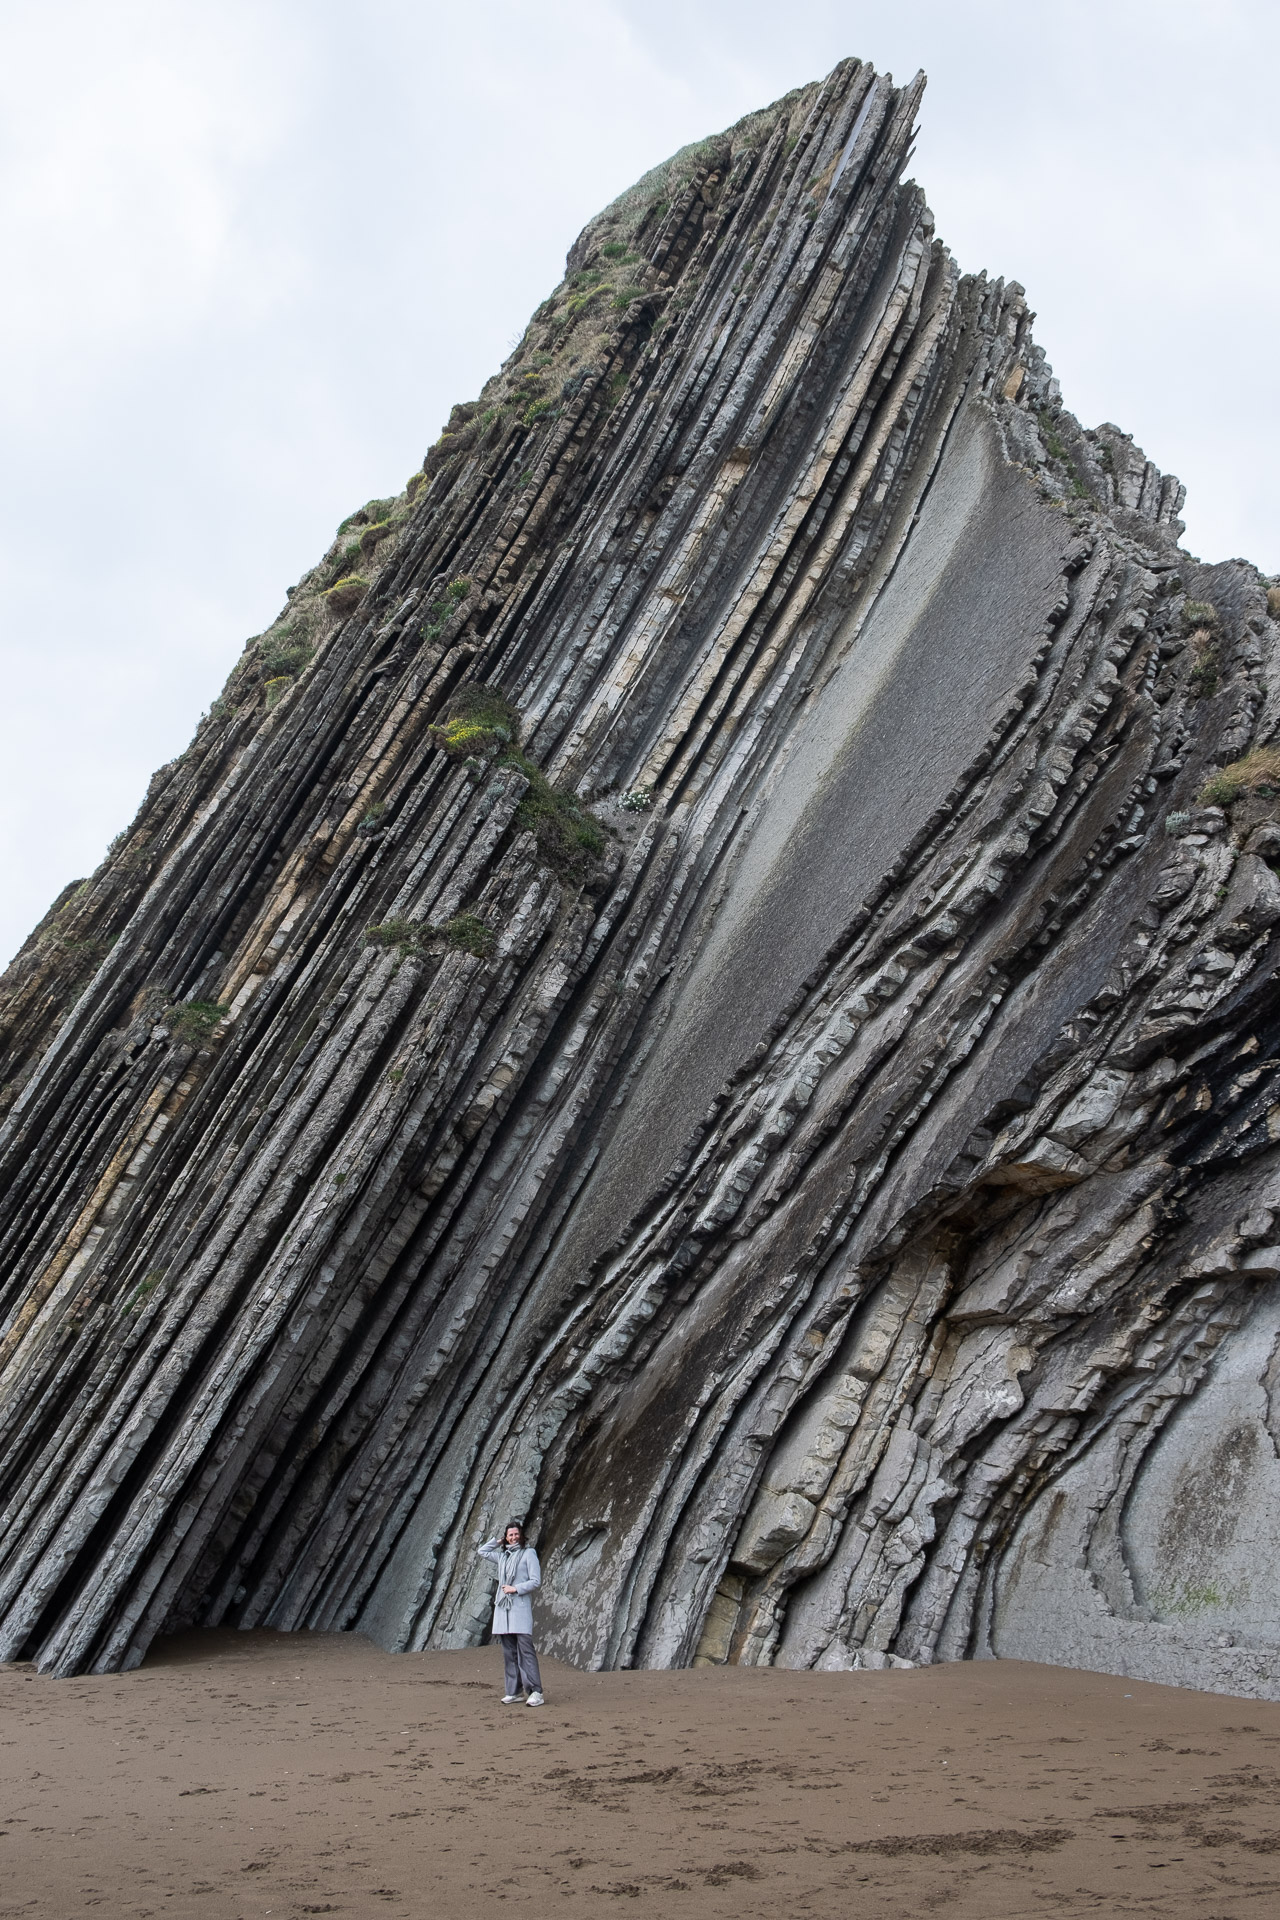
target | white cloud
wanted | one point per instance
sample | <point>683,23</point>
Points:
<point>130,134</point>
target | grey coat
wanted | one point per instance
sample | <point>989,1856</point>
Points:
<point>513,1612</point>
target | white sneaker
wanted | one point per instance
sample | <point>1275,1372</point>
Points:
<point>535,1700</point>
<point>509,1699</point>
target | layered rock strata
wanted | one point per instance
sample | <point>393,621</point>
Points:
<point>693,986</point>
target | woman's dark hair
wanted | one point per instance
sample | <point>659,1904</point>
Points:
<point>518,1525</point>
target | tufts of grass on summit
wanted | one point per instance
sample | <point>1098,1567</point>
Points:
<point>346,594</point>
<point>285,652</point>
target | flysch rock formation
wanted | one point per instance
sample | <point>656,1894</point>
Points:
<point>711,981</point>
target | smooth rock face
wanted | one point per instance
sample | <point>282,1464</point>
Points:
<point>780,1086</point>
<point>1169,1569</point>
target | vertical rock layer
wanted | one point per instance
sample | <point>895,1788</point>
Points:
<point>692,985</point>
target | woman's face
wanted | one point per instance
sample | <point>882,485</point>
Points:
<point>513,1536</point>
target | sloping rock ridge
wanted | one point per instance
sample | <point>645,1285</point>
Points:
<point>712,981</point>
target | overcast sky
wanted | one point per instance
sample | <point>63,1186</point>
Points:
<point>256,248</point>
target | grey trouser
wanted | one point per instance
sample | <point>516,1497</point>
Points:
<point>521,1663</point>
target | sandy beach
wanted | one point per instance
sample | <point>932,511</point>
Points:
<point>262,1774</point>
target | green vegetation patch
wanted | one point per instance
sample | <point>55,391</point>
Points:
<point>481,724</point>
<point>578,303</point>
<point>1205,674</point>
<point>1199,613</point>
<point>194,1020</point>
<point>469,933</point>
<point>1054,445</point>
<point>407,937</point>
<point>347,593</point>
<point>374,535</point>
<point>570,839</point>
<point>285,652</point>
<point>413,939</point>
<point>1258,772</point>
<point>478,721</point>
<point>440,610</point>
<point>371,512</point>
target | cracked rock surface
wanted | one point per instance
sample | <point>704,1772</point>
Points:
<point>711,980</point>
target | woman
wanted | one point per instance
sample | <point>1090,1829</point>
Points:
<point>518,1575</point>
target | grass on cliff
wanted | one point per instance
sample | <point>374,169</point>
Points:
<point>478,721</point>
<point>283,656</point>
<point>1207,668</point>
<point>480,724</point>
<point>1200,615</point>
<point>375,534</point>
<point>1258,772</point>
<point>440,610</point>
<point>414,939</point>
<point>407,937</point>
<point>194,1020</point>
<point>469,934</point>
<point>570,839</point>
<point>372,513</point>
<point>347,593</point>
<point>286,651</point>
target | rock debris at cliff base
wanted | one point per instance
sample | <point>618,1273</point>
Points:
<point>711,979</point>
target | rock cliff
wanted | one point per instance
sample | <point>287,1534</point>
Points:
<point>711,980</point>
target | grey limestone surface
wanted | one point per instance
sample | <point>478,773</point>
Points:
<point>1191,1588</point>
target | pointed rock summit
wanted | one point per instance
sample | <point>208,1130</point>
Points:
<point>711,980</point>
